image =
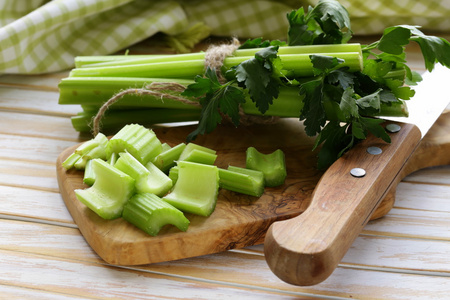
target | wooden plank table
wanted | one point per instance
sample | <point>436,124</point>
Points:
<point>404,255</point>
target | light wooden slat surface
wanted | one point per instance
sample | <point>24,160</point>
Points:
<point>404,255</point>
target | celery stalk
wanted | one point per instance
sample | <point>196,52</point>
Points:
<point>86,147</point>
<point>196,189</point>
<point>167,159</point>
<point>176,69</point>
<point>199,154</point>
<point>149,213</point>
<point>272,165</point>
<point>113,158</point>
<point>89,174</point>
<point>92,60</point>
<point>70,161</point>
<point>139,141</point>
<point>109,193</point>
<point>238,180</point>
<point>173,174</point>
<point>96,152</point>
<point>393,109</point>
<point>116,119</point>
<point>97,90</point>
<point>117,60</point>
<point>148,178</point>
<point>165,147</point>
<point>300,64</point>
<point>93,148</point>
<point>179,68</point>
<point>159,178</point>
<point>80,164</point>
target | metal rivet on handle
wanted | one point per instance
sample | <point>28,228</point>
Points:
<point>393,128</point>
<point>374,150</point>
<point>358,172</point>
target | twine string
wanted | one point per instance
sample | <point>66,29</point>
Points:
<point>154,89</point>
<point>215,56</point>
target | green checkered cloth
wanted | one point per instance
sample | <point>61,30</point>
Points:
<point>38,36</point>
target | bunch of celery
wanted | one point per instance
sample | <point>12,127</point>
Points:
<point>97,79</point>
<point>334,86</point>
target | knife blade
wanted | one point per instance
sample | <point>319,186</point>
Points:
<point>305,250</point>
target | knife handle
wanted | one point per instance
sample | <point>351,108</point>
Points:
<point>306,249</point>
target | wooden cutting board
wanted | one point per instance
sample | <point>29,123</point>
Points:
<point>238,220</point>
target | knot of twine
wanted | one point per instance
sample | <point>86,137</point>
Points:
<point>214,58</point>
<point>216,54</point>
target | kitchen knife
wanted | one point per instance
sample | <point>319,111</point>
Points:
<point>305,250</point>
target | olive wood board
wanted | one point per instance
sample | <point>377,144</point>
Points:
<point>238,220</point>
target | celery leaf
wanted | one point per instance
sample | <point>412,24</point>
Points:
<point>327,23</point>
<point>313,113</point>
<point>215,99</point>
<point>255,75</point>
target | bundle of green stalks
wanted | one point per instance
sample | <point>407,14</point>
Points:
<point>96,79</point>
<point>335,87</point>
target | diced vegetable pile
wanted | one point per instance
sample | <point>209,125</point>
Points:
<point>150,184</point>
<point>335,87</point>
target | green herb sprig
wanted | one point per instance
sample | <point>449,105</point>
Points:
<point>338,105</point>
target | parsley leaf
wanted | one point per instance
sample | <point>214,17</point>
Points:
<point>335,141</point>
<point>255,75</point>
<point>395,38</point>
<point>315,93</point>
<point>327,23</point>
<point>312,112</point>
<point>202,85</point>
<point>342,78</point>
<point>348,104</point>
<point>374,126</point>
<point>260,43</point>
<point>215,99</point>
<point>370,101</point>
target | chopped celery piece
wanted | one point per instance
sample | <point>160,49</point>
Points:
<point>96,152</point>
<point>196,189</point>
<point>139,141</point>
<point>81,163</point>
<point>272,165</point>
<point>94,148</point>
<point>109,193</point>
<point>99,142</point>
<point>244,181</point>
<point>254,173</point>
<point>173,174</point>
<point>87,146</point>
<point>150,213</point>
<point>70,161</point>
<point>167,159</point>
<point>149,179</point>
<point>102,139</point>
<point>199,154</point>
<point>113,158</point>
<point>89,175</point>
<point>165,147</point>
<point>159,180</point>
